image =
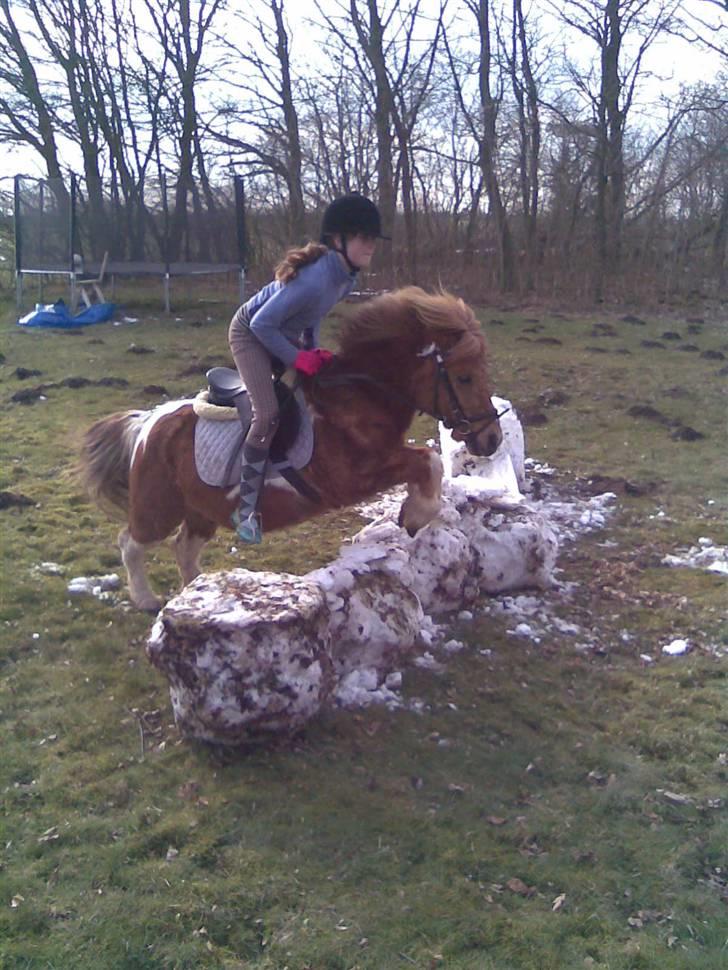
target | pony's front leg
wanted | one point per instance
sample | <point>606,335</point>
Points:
<point>423,475</point>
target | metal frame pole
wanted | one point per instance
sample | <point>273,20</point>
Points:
<point>41,198</point>
<point>72,238</point>
<point>242,236</point>
<point>18,243</point>
<point>165,210</point>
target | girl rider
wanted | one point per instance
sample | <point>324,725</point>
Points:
<point>271,325</point>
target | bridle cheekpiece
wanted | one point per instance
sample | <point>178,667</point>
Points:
<point>460,421</point>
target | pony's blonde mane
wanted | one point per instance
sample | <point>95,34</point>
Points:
<point>409,311</point>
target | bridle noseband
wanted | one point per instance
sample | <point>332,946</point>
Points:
<point>460,421</point>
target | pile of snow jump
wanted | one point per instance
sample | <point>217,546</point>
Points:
<point>249,654</point>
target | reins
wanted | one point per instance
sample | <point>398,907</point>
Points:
<point>462,423</point>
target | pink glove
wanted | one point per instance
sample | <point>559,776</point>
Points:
<point>311,361</point>
<point>325,355</point>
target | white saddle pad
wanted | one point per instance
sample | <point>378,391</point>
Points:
<point>218,447</point>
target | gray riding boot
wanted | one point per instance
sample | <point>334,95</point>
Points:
<point>252,476</point>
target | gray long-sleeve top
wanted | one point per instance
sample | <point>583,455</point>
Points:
<point>281,312</point>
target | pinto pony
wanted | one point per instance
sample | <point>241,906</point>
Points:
<point>401,352</point>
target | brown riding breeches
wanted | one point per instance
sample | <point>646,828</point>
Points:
<point>255,368</point>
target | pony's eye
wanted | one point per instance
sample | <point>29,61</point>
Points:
<point>465,380</point>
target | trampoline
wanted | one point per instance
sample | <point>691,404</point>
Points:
<point>54,230</point>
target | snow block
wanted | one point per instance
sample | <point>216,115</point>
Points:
<point>246,654</point>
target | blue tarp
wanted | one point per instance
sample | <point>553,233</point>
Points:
<point>57,315</point>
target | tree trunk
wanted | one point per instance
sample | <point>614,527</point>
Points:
<point>488,154</point>
<point>296,208</point>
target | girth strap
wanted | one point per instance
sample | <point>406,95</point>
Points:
<point>302,487</point>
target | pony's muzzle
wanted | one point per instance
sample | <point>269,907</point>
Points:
<point>482,443</point>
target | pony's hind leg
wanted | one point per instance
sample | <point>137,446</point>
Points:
<point>132,555</point>
<point>194,533</point>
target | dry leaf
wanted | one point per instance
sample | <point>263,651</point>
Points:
<point>496,820</point>
<point>519,887</point>
<point>188,790</point>
<point>558,903</point>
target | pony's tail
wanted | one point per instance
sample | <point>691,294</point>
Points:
<point>106,459</point>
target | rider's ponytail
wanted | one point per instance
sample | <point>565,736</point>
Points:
<point>296,259</point>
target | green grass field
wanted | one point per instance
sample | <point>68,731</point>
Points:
<point>550,808</point>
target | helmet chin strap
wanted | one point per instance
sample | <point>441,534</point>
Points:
<point>343,252</point>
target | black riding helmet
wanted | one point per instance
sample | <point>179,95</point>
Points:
<point>350,215</point>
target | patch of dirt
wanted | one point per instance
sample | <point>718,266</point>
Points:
<point>597,350</point>
<point>713,355</point>
<point>695,329</point>
<point>9,500</point>
<point>680,431</point>
<point>496,323</point>
<point>648,412</point>
<point>684,432</point>
<point>139,349</point>
<point>73,382</point>
<point>689,348</point>
<point>23,373</point>
<point>671,335</point>
<point>113,382</point>
<point>597,484</point>
<point>550,398</point>
<point>548,340</point>
<point>204,364</point>
<point>29,395</point>
<point>652,343</point>
<point>678,392</point>
<point>604,330</point>
<point>155,390</point>
<point>532,418</point>
<point>637,321</point>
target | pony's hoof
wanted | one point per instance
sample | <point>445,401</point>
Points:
<point>410,529</point>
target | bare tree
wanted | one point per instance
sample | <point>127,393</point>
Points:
<point>481,117</point>
<point>526,94</point>
<point>27,112</point>
<point>264,82</point>
<point>183,28</point>
<point>622,32</point>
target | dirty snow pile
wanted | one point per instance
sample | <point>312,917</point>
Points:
<point>248,654</point>
<point>706,555</point>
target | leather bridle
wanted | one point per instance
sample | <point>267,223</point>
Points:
<point>460,421</point>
